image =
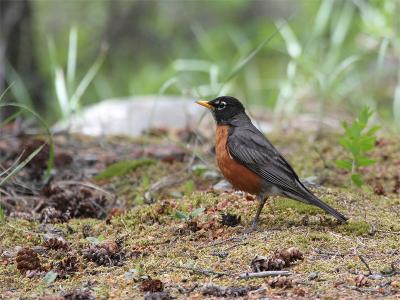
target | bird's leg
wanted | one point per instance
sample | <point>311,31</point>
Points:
<point>261,199</point>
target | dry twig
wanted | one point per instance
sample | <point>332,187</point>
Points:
<point>201,271</point>
<point>85,184</point>
<point>263,274</point>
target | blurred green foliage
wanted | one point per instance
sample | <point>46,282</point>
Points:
<point>123,167</point>
<point>331,52</point>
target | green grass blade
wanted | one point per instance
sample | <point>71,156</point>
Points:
<point>50,162</point>
<point>72,56</point>
<point>213,75</point>
<point>6,90</point>
<point>20,166</point>
<point>205,42</point>
<point>61,92</point>
<point>170,82</point>
<point>87,79</point>
<point>343,67</point>
<point>342,26</point>
<point>383,47</point>
<point>10,118</point>
<point>193,65</point>
<point>323,17</point>
<point>18,88</point>
<point>292,44</point>
<point>12,165</point>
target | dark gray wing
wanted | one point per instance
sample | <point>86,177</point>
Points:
<point>248,146</point>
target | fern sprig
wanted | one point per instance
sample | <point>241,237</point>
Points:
<point>358,139</point>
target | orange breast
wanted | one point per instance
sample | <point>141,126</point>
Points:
<point>238,175</point>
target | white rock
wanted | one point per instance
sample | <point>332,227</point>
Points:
<point>133,115</point>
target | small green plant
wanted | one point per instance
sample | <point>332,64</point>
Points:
<point>358,139</point>
<point>187,216</point>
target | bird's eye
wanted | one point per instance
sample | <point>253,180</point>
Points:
<point>221,105</point>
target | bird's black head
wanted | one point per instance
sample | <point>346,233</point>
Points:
<point>223,108</point>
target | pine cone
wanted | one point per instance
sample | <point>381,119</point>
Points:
<point>97,255</point>
<point>27,260</point>
<point>280,282</point>
<point>79,294</point>
<point>67,266</point>
<point>112,247</point>
<point>278,261</point>
<point>289,255</point>
<point>151,285</point>
<point>192,226</point>
<point>262,263</point>
<point>221,291</point>
<point>49,190</point>
<point>52,215</point>
<point>85,203</point>
<point>63,204</point>
<point>56,243</point>
<point>108,253</point>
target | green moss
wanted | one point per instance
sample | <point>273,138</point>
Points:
<point>319,236</point>
<point>102,291</point>
<point>19,232</point>
<point>201,199</point>
<point>355,227</point>
<point>144,214</point>
<point>283,204</point>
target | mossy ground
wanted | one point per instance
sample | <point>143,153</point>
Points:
<point>163,244</point>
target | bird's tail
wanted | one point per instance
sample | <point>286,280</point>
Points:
<point>309,197</point>
<point>330,210</point>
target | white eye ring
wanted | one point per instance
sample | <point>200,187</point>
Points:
<point>221,105</point>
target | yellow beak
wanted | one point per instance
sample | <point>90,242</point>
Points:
<point>205,104</point>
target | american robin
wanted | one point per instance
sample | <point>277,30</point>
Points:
<point>251,163</point>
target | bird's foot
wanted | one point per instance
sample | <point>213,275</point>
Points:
<point>250,229</point>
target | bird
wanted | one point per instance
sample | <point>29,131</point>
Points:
<point>249,161</point>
